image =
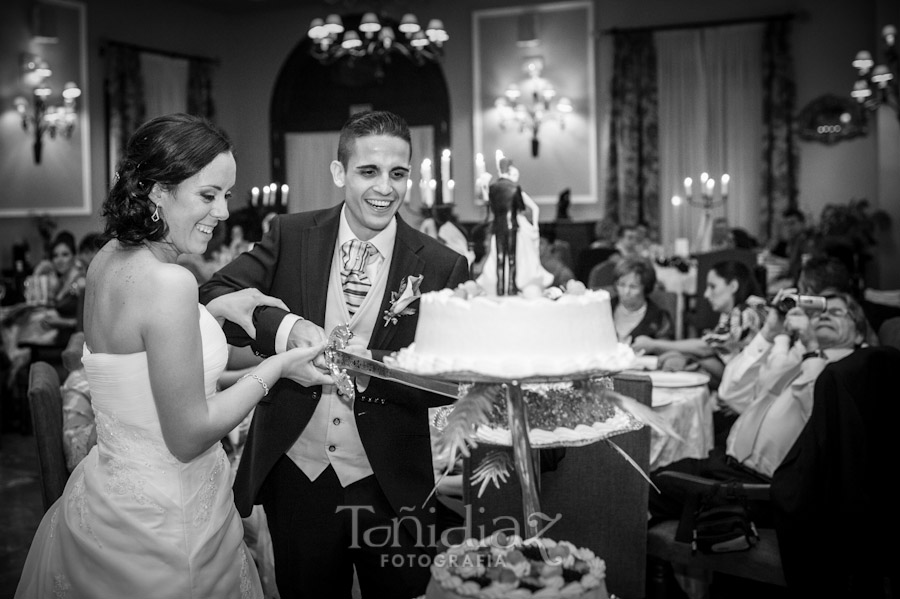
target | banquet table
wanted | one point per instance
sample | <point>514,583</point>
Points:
<point>683,399</point>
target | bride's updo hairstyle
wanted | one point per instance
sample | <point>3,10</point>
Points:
<point>165,150</point>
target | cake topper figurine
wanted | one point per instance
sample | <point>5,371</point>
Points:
<point>513,263</point>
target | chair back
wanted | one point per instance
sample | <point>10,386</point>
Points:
<point>603,276</point>
<point>668,301</point>
<point>589,258</point>
<point>45,401</point>
<point>599,499</point>
<point>889,332</point>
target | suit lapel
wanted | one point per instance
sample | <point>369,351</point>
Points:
<point>316,263</point>
<point>405,262</point>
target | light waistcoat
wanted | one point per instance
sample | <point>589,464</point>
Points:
<point>331,436</point>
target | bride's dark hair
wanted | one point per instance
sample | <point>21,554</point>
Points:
<point>165,151</point>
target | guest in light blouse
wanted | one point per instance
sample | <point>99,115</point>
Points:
<point>634,313</point>
<point>770,384</point>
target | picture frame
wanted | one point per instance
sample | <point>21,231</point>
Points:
<point>562,39</point>
<point>60,184</point>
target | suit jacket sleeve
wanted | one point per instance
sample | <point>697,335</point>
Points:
<point>254,269</point>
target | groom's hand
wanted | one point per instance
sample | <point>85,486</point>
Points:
<point>306,333</point>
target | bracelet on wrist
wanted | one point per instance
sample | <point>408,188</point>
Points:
<point>258,379</point>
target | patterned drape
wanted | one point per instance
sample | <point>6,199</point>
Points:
<point>124,99</point>
<point>200,100</point>
<point>632,185</point>
<point>780,157</point>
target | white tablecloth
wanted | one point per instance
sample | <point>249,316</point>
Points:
<point>690,414</point>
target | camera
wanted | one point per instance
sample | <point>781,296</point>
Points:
<point>787,302</point>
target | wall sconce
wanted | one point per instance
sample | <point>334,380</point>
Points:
<point>531,103</point>
<point>38,115</point>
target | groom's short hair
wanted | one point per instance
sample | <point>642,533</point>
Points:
<point>363,124</point>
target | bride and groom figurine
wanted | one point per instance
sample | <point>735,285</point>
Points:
<point>515,247</point>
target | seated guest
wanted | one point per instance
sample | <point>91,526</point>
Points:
<point>730,287</point>
<point>628,244</point>
<point>634,313</point>
<point>770,384</point>
<point>821,273</point>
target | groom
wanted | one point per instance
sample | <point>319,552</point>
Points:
<point>343,482</point>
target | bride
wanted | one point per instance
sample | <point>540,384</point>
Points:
<point>149,512</point>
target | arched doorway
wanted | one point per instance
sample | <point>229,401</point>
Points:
<point>311,101</point>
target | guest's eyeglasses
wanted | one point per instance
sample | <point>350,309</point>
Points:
<point>836,312</point>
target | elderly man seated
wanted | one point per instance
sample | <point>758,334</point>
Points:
<point>770,384</point>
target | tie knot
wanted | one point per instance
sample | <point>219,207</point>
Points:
<point>357,255</point>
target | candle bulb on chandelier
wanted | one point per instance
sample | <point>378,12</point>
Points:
<point>406,196</point>
<point>265,196</point>
<point>710,186</point>
<point>284,194</point>
<point>725,180</point>
<point>688,187</point>
<point>445,175</point>
<point>451,184</point>
<point>254,196</point>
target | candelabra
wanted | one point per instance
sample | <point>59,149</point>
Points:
<point>878,85</point>
<point>707,201</point>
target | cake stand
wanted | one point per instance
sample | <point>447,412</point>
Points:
<point>450,384</point>
<point>517,415</point>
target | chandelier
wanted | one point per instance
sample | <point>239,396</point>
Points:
<point>877,84</point>
<point>531,103</point>
<point>39,115</point>
<point>332,41</point>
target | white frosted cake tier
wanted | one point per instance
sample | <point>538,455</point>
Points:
<point>515,336</point>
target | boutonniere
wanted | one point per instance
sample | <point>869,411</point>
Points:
<point>401,299</point>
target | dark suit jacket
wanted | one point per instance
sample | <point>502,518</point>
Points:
<point>835,512</point>
<point>293,263</point>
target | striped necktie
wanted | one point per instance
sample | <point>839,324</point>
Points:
<point>356,255</point>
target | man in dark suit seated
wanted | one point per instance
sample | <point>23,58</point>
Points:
<point>770,384</point>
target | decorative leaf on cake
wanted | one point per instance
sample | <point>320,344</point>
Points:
<point>494,468</point>
<point>631,461</point>
<point>469,412</point>
<point>643,413</point>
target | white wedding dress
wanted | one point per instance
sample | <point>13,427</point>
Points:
<point>133,520</point>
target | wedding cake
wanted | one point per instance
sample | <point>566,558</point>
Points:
<point>534,333</point>
<point>497,567</point>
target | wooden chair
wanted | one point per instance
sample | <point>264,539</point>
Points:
<point>673,304</point>
<point>761,563</point>
<point>599,498</point>
<point>45,401</point>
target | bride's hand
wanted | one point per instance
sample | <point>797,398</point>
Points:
<point>298,366</point>
<point>238,307</point>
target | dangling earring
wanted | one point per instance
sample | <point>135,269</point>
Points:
<point>155,216</point>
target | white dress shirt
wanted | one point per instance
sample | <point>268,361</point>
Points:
<point>771,387</point>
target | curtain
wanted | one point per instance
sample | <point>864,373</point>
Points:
<point>168,93</point>
<point>199,94</point>
<point>710,120</point>
<point>779,155</point>
<point>308,159</point>
<point>632,186</point>
<point>180,84</point>
<point>124,99</point>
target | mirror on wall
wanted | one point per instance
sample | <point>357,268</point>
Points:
<point>534,96</point>
<point>45,155</point>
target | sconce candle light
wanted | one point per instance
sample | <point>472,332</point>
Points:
<point>39,115</point>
